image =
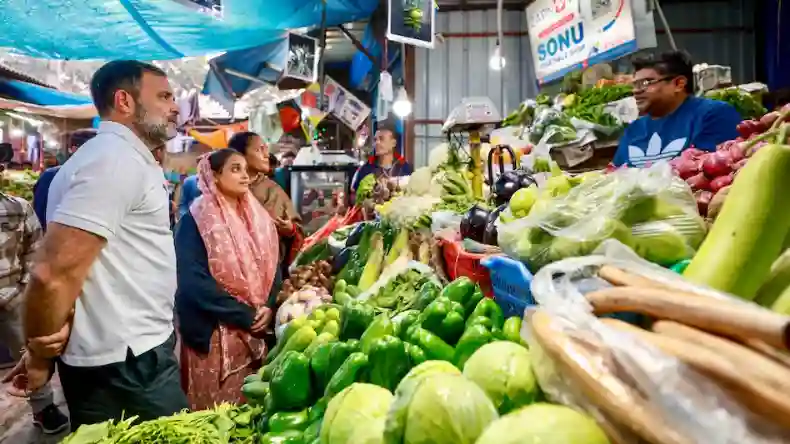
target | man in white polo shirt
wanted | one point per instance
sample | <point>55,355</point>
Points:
<point>108,254</point>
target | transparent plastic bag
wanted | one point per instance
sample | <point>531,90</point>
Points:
<point>650,210</point>
<point>637,392</point>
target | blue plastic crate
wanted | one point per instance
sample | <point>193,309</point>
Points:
<point>510,281</point>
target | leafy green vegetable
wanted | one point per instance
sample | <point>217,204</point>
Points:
<point>746,104</point>
<point>544,423</point>
<point>365,189</point>
<point>356,415</point>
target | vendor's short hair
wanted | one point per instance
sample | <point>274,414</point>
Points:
<point>670,63</point>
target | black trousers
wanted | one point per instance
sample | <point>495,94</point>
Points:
<point>148,386</point>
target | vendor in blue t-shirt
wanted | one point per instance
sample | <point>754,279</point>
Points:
<point>386,163</point>
<point>672,118</point>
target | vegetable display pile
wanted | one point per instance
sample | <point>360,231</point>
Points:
<point>709,174</point>
<point>441,369</point>
<point>589,104</point>
<point>649,210</point>
<point>747,105</point>
<point>551,126</point>
<point>20,183</point>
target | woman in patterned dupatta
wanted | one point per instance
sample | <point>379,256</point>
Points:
<point>273,198</point>
<point>227,251</point>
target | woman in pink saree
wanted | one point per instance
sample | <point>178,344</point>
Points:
<point>227,251</point>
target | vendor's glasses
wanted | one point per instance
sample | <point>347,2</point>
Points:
<point>644,83</point>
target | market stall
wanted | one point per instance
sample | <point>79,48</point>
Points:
<point>597,307</point>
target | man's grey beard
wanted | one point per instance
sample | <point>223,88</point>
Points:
<point>154,134</point>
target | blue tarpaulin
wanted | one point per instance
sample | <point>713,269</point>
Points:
<point>158,29</point>
<point>39,95</point>
<point>256,62</point>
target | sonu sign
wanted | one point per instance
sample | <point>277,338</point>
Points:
<point>569,35</point>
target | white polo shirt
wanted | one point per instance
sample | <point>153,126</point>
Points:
<point>114,188</point>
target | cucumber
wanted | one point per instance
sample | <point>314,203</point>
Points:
<point>750,231</point>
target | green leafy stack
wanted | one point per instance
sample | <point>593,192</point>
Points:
<point>746,104</point>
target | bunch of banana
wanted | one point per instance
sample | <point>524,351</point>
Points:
<point>455,187</point>
<point>422,222</point>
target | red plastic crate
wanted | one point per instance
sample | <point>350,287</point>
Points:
<point>459,262</point>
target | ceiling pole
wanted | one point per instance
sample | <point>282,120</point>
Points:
<point>322,47</point>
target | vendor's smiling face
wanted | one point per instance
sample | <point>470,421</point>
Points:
<point>653,89</point>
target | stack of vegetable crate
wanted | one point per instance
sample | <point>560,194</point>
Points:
<point>322,354</point>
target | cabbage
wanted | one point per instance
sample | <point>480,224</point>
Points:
<point>427,368</point>
<point>544,424</point>
<point>420,182</point>
<point>438,409</point>
<point>357,415</point>
<point>503,370</point>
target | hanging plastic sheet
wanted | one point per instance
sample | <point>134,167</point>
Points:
<point>157,30</point>
<point>39,95</point>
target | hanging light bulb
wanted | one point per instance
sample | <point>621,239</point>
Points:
<point>497,62</point>
<point>402,105</point>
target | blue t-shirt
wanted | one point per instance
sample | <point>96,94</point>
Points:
<point>41,193</point>
<point>698,122</point>
<point>398,169</point>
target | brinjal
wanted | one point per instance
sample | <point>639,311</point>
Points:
<point>473,224</point>
<point>490,235</point>
<point>356,235</point>
<point>340,260</point>
<point>510,182</point>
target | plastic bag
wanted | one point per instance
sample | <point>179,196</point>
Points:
<point>650,210</point>
<point>443,220</point>
<point>637,392</point>
<point>551,126</point>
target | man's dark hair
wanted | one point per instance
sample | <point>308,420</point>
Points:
<point>80,136</point>
<point>289,155</point>
<point>670,63</point>
<point>117,75</point>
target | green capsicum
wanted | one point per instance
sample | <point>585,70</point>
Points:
<point>428,292</point>
<point>444,318</point>
<point>356,317</point>
<point>290,387</point>
<point>511,331</point>
<point>389,362</point>
<point>298,343</point>
<point>433,346</point>
<point>473,338</point>
<point>317,411</point>
<point>402,322</point>
<point>282,421</point>
<point>462,290</point>
<point>312,432</point>
<point>349,372</point>
<point>325,361</point>
<point>380,327</point>
<point>416,355</point>
<point>255,392</point>
<point>287,437</point>
<point>291,328</point>
<point>487,308</point>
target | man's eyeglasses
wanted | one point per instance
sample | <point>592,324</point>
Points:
<point>644,83</point>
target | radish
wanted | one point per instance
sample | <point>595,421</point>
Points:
<point>698,182</point>
<point>717,164</point>
<point>703,198</point>
<point>739,164</point>
<point>720,182</point>
<point>769,119</point>
<point>736,153</point>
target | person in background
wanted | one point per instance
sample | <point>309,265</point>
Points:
<point>41,188</point>
<point>226,246</point>
<point>672,118</point>
<point>386,163</point>
<point>281,170</point>
<point>22,236</point>
<point>273,199</point>
<point>189,192</point>
<point>108,257</point>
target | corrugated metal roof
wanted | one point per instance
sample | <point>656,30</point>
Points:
<point>9,73</point>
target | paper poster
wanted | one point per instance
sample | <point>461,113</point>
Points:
<point>570,35</point>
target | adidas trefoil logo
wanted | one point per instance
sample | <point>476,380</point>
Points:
<point>655,151</point>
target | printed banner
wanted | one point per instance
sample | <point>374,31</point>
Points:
<point>411,22</point>
<point>570,35</point>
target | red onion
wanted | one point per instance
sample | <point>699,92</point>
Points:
<point>720,182</point>
<point>717,164</point>
<point>698,182</point>
<point>687,168</point>
<point>692,153</point>
<point>769,119</point>
<point>739,164</point>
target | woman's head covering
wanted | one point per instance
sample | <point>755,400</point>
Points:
<point>242,242</point>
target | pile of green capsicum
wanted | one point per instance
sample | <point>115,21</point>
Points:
<point>337,345</point>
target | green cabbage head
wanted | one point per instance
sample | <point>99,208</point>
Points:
<point>504,371</point>
<point>438,409</point>
<point>428,368</point>
<point>544,424</point>
<point>356,415</point>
